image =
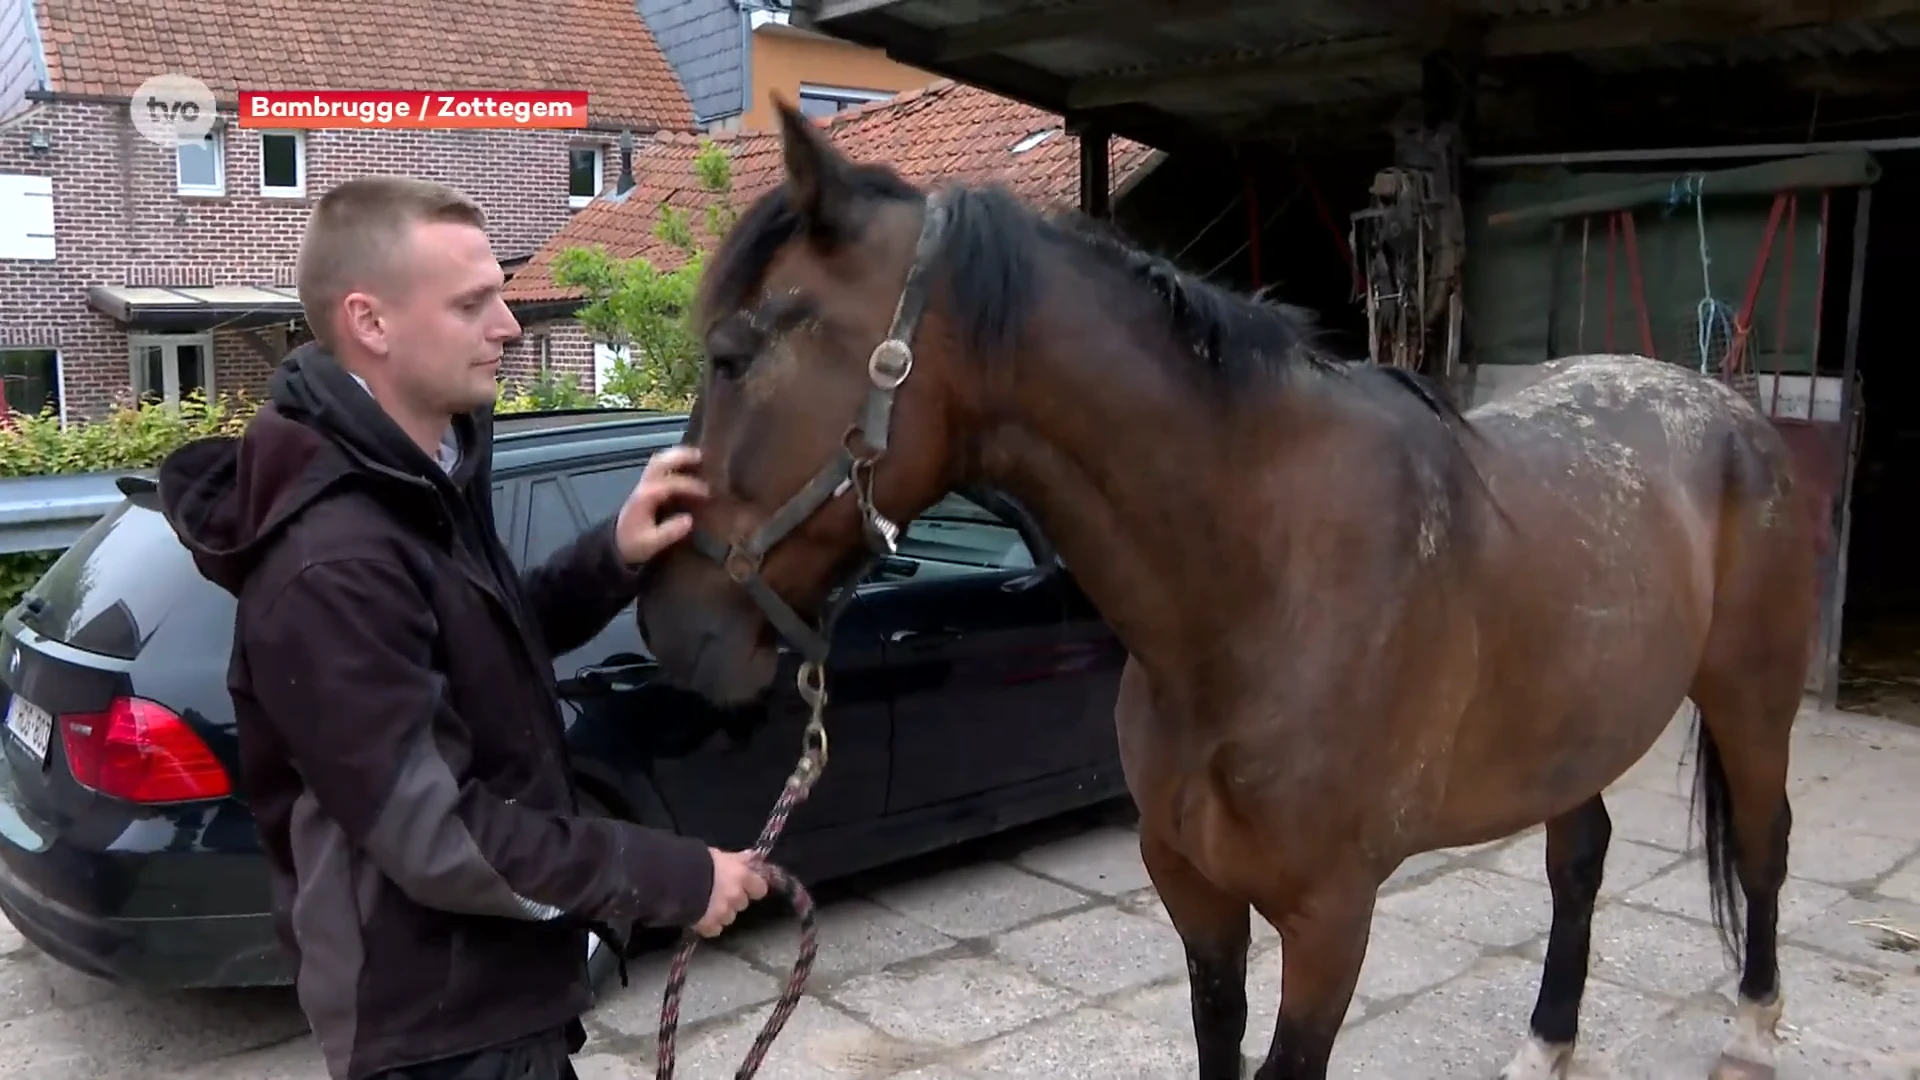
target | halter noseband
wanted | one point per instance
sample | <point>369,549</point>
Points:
<point>850,469</point>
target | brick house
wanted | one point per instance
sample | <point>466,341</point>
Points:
<point>130,267</point>
<point>945,131</point>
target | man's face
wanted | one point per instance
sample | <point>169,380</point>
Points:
<point>441,322</point>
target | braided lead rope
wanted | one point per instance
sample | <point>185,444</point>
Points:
<point>813,759</point>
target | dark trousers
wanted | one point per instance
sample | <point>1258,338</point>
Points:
<point>545,1056</point>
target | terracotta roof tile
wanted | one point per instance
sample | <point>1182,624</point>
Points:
<point>109,47</point>
<point>947,131</point>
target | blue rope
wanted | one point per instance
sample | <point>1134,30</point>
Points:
<point>1710,312</point>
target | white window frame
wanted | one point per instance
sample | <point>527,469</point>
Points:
<point>604,356</point>
<point>219,186</point>
<point>26,218</point>
<point>59,374</point>
<point>299,188</point>
<point>850,96</point>
<point>170,366</point>
<point>599,175</point>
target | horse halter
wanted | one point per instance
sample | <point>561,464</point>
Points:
<point>848,470</point>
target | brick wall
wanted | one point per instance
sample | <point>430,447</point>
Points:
<point>119,220</point>
<point>569,351</point>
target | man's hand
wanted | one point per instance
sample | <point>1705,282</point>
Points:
<point>639,533</point>
<point>735,885</point>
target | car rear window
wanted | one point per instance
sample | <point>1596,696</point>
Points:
<point>112,588</point>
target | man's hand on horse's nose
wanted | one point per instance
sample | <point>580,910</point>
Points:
<point>640,533</point>
<point>736,883</point>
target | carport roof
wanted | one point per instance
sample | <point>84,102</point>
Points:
<point>1183,73</point>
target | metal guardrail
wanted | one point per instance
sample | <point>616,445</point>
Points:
<point>48,513</point>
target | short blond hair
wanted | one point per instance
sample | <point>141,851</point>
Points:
<point>356,229</point>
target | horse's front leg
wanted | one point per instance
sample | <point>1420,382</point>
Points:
<point>1215,929</point>
<point>1323,941</point>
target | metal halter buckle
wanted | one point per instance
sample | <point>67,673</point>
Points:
<point>892,359</point>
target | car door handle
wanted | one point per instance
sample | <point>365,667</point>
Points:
<point>924,637</point>
<point>610,678</point>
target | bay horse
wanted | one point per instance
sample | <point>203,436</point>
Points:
<point>1360,623</point>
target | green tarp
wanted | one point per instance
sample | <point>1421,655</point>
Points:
<point>1510,268</point>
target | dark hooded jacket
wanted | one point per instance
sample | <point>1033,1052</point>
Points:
<point>400,732</point>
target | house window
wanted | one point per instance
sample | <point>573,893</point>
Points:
<point>586,173</point>
<point>201,167</point>
<point>817,101</point>
<point>283,164</point>
<point>604,358</point>
<point>30,379</point>
<point>167,367</point>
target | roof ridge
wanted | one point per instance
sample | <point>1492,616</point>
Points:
<point>108,48</point>
<point>934,89</point>
<point>943,132</point>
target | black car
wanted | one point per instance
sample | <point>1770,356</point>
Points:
<point>971,689</point>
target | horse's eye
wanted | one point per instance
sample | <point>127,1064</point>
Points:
<point>732,364</point>
<point>731,347</point>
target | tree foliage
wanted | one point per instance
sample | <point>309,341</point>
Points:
<point>644,312</point>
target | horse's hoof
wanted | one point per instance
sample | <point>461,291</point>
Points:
<point>1539,1061</point>
<point>1733,1068</point>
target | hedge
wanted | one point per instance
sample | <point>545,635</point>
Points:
<point>138,435</point>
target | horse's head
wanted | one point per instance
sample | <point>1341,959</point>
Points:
<point>823,416</point>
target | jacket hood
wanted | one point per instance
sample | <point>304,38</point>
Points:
<point>227,498</point>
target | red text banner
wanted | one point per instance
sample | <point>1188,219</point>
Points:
<point>413,109</point>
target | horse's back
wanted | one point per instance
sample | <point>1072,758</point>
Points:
<point>1648,416</point>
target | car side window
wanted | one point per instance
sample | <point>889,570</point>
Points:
<point>550,521</point>
<point>602,492</point>
<point>503,513</point>
<point>959,536</point>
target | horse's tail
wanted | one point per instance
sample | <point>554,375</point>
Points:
<point>1713,799</point>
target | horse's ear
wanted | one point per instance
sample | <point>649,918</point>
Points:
<point>817,173</point>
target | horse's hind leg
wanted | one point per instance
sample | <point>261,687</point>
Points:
<point>1748,693</point>
<point>1743,750</point>
<point>1215,930</point>
<point>1576,857</point>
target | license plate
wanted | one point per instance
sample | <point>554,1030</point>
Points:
<point>32,725</point>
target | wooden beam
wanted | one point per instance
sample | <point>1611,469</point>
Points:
<point>1422,23</point>
<point>1151,127</point>
<point>1323,60</point>
<point>1072,18</point>
<point>1096,174</point>
<point>821,11</point>
<point>1357,121</point>
<point>1702,21</point>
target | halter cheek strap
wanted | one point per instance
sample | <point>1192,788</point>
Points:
<point>850,469</point>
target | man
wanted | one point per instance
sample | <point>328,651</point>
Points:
<point>392,676</point>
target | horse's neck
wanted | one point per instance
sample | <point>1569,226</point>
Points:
<point>1138,483</point>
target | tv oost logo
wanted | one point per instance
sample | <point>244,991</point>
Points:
<point>172,110</point>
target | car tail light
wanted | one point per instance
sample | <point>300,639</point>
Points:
<point>141,752</point>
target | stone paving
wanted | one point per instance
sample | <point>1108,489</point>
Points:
<point>1048,957</point>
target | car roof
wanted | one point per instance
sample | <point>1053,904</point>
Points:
<point>539,441</point>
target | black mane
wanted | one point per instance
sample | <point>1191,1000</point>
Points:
<point>991,263</point>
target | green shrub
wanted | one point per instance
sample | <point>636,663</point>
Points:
<point>134,436</point>
<point>129,436</point>
<point>547,390</point>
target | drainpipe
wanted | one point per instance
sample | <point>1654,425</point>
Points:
<point>745,70</point>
